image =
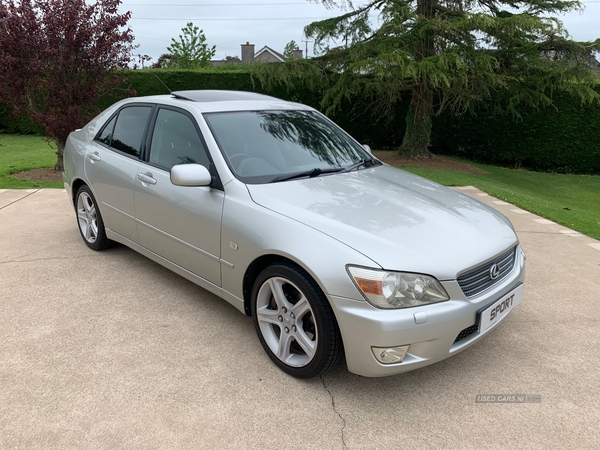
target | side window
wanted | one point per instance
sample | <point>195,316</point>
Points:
<point>129,129</point>
<point>106,133</point>
<point>175,140</point>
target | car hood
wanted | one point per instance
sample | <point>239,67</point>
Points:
<point>400,221</point>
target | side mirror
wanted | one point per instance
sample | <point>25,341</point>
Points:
<point>190,175</point>
<point>367,148</point>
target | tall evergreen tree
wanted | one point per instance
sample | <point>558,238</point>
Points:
<point>288,50</point>
<point>191,50</point>
<point>449,54</point>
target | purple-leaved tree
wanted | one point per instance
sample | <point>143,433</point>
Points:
<point>58,57</point>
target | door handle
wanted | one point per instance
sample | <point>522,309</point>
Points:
<point>94,156</point>
<point>146,178</point>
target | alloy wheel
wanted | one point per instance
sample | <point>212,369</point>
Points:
<point>286,322</point>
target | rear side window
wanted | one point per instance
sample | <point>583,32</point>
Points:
<point>106,134</point>
<point>126,134</point>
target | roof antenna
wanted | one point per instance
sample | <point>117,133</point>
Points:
<point>170,91</point>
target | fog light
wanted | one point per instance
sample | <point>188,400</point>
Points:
<point>390,355</point>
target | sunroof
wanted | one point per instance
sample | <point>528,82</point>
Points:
<point>219,96</point>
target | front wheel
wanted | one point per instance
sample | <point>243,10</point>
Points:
<point>89,220</point>
<point>294,321</point>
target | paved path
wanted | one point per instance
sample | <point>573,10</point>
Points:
<point>109,350</point>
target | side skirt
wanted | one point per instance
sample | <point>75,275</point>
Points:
<point>238,303</point>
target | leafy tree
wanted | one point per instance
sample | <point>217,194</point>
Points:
<point>57,57</point>
<point>191,51</point>
<point>141,61</point>
<point>288,50</point>
<point>163,61</point>
<point>447,54</point>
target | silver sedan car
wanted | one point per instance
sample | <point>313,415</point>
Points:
<point>271,206</point>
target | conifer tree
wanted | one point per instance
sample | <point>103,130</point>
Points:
<point>448,54</point>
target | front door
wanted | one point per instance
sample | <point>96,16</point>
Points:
<point>180,223</point>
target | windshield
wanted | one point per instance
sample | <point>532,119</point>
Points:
<point>271,146</point>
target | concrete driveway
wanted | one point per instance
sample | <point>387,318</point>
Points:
<point>109,350</point>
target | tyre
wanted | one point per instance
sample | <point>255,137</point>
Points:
<point>89,220</point>
<point>294,321</point>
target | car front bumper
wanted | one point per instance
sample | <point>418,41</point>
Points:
<point>431,330</point>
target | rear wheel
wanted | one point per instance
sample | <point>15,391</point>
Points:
<point>294,321</point>
<point>89,220</point>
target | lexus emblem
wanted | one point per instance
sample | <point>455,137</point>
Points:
<point>494,271</point>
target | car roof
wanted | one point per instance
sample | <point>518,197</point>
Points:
<point>221,101</point>
<point>220,96</point>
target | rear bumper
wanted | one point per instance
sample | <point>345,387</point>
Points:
<point>363,327</point>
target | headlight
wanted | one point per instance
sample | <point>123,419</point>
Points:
<point>385,289</point>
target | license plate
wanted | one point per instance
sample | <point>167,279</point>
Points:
<point>498,310</point>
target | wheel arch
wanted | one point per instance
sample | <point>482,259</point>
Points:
<point>75,185</point>
<point>257,266</point>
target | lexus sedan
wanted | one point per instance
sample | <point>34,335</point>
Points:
<point>271,206</point>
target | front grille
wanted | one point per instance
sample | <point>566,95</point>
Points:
<point>466,333</point>
<point>478,279</point>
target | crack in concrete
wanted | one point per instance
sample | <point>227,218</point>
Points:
<point>336,411</point>
<point>45,259</point>
<point>19,199</point>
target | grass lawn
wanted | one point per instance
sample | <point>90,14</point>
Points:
<point>20,153</point>
<point>571,200</point>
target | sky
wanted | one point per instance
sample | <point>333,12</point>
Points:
<point>229,23</point>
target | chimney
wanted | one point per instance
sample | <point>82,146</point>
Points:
<point>297,53</point>
<point>247,53</point>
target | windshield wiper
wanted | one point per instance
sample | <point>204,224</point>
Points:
<point>362,162</point>
<point>309,173</point>
<point>316,171</point>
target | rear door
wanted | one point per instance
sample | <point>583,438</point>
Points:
<point>112,165</point>
<point>179,223</point>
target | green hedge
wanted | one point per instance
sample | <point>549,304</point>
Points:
<point>9,123</point>
<point>566,139</point>
<point>563,139</point>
